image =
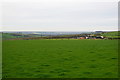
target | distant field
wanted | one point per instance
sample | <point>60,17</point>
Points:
<point>60,59</point>
<point>114,34</point>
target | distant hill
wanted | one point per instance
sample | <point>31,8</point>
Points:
<point>12,35</point>
<point>9,36</point>
<point>113,34</point>
<point>41,35</point>
<point>17,35</point>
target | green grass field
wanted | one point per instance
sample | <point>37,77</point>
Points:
<point>114,34</point>
<point>60,59</point>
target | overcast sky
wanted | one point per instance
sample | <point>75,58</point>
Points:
<point>59,15</point>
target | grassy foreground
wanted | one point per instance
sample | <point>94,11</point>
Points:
<point>60,59</point>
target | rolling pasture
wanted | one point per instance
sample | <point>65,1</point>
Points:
<point>60,59</point>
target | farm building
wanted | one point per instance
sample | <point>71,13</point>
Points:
<point>82,38</point>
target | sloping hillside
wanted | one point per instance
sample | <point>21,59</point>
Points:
<point>10,35</point>
<point>20,35</point>
<point>114,34</point>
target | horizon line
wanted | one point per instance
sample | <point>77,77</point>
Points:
<point>50,31</point>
